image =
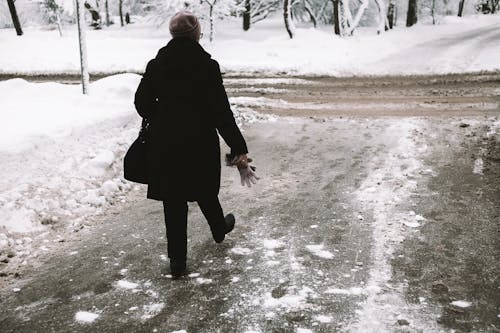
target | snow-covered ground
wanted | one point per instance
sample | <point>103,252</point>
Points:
<point>455,45</point>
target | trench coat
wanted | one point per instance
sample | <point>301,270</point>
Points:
<point>182,96</point>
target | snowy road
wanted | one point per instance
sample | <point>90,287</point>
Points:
<point>359,224</point>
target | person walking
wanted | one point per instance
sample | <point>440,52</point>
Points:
<point>183,98</point>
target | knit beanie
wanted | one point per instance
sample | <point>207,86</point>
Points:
<point>185,24</point>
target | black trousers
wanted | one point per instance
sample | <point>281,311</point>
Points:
<point>176,224</point>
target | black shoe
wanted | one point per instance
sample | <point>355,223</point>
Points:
<point>230,221</point>
<point>177,268</point>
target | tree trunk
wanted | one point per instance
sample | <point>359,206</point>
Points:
<point>83,46</point>
<point>391,14</point>
<point>382,17</point>
<point>106,8</point>
<point>461,8</point>
<point>433,11</point>
<point>411,17</point>
<point>58,23</point>
<point>247,16</point>
<point>15,18</point>
<point>336,20</point>
<point>286,16</point>
<point>120,10</point>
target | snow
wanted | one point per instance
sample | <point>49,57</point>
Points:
<point>241,251</point>
<point>56,110</point>
<point>323,318</point>
<point>478,166</point>
<point>151,310</point>
<point>457,45</point>
<point>461,304</point>
<point>317,250</point>
<point>86,317</point>
<point>394,186</point>
<point>272,244</point>
<point>290,301</point>
<point>124,284</point>
<point>201,280</point>
<point>70,147</point>
<point>304,330</point>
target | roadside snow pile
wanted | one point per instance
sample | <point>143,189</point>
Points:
<point>460,45</point>
<point>61,153</point>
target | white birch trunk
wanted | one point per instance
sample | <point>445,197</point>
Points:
<point>83,45</point>
<point>382,19</point>
<point>58,23</point>
<point>359,14</point>
<point>347,12</point>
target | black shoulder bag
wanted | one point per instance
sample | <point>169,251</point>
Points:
<point>135,166</point>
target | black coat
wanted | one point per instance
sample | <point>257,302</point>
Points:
<point>182,95</point>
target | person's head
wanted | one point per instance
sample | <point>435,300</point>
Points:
<point>185,24</point>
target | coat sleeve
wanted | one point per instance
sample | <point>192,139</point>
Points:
<point>225,123</point>
<point>145,98</point>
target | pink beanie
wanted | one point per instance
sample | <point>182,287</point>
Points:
<point>185,24</point>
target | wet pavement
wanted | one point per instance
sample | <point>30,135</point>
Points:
<point>367,224</point>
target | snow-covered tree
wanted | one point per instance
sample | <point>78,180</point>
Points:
<point>54,11</point>
<point>207,10</point>
<point>262,9</point>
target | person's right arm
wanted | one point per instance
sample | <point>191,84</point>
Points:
<point>145,98</point>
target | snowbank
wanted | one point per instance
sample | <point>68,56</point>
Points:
<point>51,109</point>
<point>462,44</point>
<point>62,152</point>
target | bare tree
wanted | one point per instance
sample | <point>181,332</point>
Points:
<point>461,8</point>
<point>287,17</point>
<point>336,19</point>
<point>247,15</point>
<point>411,17</point>
<point>106,8</point>
<point>83,46</point>
<point>432,9</point>
<point>15,18</point>
<point>120,10</point>
<point>391,13</point>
